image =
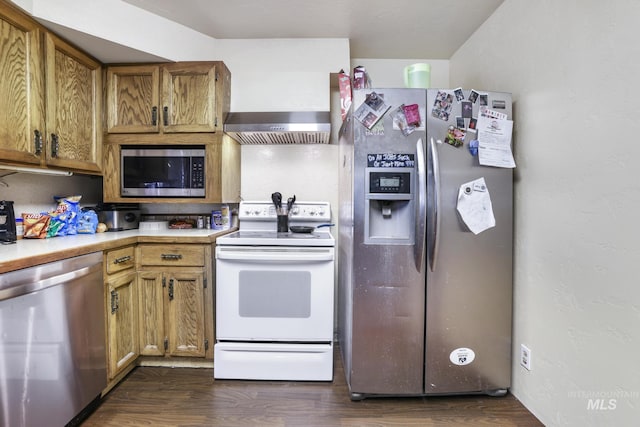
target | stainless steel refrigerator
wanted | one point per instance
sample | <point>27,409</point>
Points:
<point>424,304</point>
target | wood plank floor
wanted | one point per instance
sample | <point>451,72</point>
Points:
<point>190,397</point>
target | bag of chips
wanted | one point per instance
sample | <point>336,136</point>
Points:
<point>35,225</point>
<point>87,222</point>
<point>69,207</point>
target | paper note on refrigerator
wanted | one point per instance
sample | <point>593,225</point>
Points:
<point>474,206</point>
<point>494,142</point>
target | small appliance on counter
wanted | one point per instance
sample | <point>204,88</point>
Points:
<point>7,222</point>
<point>119,216</point>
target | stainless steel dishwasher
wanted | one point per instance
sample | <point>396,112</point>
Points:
<point>52,341</point>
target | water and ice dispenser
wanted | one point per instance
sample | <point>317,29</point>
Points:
<point>389,205</point>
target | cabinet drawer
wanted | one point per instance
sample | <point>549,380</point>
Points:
<point>172,255</point>
<point>120,259</point>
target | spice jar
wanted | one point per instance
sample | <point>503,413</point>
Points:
<point>19,228</point>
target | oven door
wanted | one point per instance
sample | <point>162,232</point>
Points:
<point>274,294</point>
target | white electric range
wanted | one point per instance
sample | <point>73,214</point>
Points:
<point>275,296</point>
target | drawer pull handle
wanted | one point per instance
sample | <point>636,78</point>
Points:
<point>122,259</point>
<point>172,257</point>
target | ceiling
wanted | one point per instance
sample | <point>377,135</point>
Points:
<point>376,29</point>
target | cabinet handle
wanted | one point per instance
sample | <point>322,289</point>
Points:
<point>55,145</point>
<point>37,141</point>
<point>170,289</point>
<point>122,259</point>
<point>171,257</point>
<point>154,116</point>
<point>114,302</point>
<point>165,115</point>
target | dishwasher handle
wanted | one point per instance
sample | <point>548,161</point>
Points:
<point>38,285</point>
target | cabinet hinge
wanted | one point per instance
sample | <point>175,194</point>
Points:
<point>204,282</point>
<point>206,344</point>
<point>166,344</point>
<point>215,122</point>
<point>217,76</point>
<point>164,282</point>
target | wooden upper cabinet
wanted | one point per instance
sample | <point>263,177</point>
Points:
<point>133,99</point>
<point>165,98</point>
<point>73,99</point>
<point>22,124</point>
<point>189,98</point>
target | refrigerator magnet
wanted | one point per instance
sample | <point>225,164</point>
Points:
<point>442,106</point>
<point>467,109</point>
<point>473,96</point>
<point>473,125</point>
<point>455,137</point>
<point>459,94</point>
<point>473,147</point>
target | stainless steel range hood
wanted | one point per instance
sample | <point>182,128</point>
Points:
<point>293,127</point>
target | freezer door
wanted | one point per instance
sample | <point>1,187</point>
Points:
<point>469,277</point>
<point>385,317</point>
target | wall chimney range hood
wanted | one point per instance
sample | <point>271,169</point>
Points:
<point>292,127</point>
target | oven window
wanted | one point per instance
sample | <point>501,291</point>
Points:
<point>275,294</point>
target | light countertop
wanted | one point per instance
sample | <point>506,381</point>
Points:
<point>29,252</point>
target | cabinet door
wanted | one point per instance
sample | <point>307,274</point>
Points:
<point>74,88</point>
<point>21,88</point>
<point>189,97</point>
<point>122,322</point>
<point>152,335</point>
<point>132,99</point>
<point>186,313</point>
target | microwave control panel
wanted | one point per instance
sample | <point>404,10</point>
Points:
<point>197,172</point>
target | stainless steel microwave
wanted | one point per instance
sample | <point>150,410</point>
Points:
<point>162,171</point>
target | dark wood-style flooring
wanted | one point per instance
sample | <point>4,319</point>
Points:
<point>152,396</point>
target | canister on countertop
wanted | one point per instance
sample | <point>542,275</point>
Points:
<point>226,217</point>
<point>216,220</point>
<point>200,222</point>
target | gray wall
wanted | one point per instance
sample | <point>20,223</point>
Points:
<point>573,68</point>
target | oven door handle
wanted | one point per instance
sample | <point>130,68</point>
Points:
<point>278,255</point>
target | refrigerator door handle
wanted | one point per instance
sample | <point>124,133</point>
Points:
<point>435,162</point>
<point>421,214</point>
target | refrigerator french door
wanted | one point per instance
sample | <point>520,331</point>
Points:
<point>424,303</point>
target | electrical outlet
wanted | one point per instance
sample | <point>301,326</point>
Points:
<point>525,357</point>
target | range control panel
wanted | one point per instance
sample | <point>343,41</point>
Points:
<point>304,211</point>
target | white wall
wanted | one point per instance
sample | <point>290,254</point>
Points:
<point>573,69</point>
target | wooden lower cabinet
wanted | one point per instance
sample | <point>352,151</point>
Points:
<point>121,304</point>
<point>172,313</point>
<point>175,300</point>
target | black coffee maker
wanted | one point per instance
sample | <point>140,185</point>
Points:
<point>7,222</point>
